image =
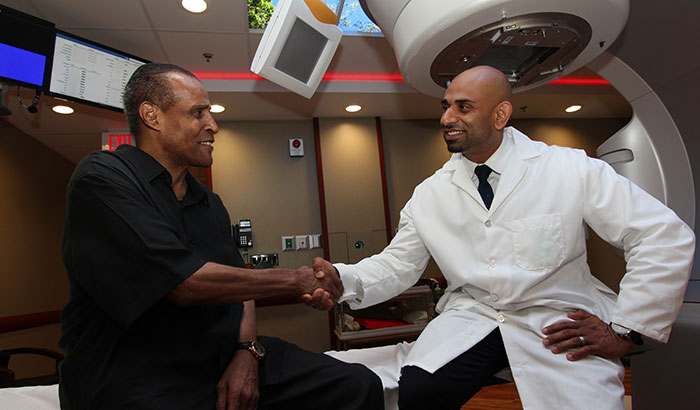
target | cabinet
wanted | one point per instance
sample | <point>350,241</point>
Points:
<point>401,318</point>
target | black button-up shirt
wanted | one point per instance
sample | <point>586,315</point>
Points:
<point>127,242</point>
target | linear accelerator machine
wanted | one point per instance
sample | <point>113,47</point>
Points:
<point>646,49</point>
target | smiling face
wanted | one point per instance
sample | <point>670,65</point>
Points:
<point>476,109</point>
<point>185,130</point>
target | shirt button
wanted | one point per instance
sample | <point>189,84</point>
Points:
<point>488,223</point>
<point>494,297</point>
<point>500,318</point>
<point>492,263</point>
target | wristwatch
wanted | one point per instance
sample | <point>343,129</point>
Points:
<point>253,347</point>
<point>627,333</point>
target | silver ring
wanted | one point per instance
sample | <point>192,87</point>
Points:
<point>583,341</point>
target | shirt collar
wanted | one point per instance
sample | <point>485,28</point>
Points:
<point>152,169</point>
<point>148,166</point>
<point>195,193</point>
<point>498,160</point>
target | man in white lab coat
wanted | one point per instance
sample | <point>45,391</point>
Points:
<point>510,240</point>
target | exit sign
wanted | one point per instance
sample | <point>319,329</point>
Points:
<point>112,139</point>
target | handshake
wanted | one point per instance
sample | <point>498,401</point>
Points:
<point>319,286</point>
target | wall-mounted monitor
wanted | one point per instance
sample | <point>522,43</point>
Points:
<point>91,73</point>
<point>26,47</point>
<point>297,47</point>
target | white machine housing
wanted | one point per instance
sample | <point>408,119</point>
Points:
<point>532,42</point>
<point>296,48</point>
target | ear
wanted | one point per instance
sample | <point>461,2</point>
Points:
<point>149,115</point>
<point>501,114</point>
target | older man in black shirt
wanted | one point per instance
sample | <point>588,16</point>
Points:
<point>161,313</point>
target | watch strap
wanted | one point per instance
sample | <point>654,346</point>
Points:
<point>252,347</point>
<point>627,333</point>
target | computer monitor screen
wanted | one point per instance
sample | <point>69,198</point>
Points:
<point>26,45</point>
<point>88,72</point>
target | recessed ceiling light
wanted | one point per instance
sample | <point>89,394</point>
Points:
<point>573,108</point>
<point>216,108</point>
<point>63,109</point>
<point>353,108</point>
<point>194,6</point>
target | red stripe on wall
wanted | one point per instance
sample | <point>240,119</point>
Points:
<point>321,190</point>
<point>382,171</point>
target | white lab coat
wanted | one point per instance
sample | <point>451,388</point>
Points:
<point>521,265</point>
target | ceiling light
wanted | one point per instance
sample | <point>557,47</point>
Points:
<point>573,108</point>
<point>63,109</point>
<point>194,6</point>
<point>353,108</point>
<point>216,108</point>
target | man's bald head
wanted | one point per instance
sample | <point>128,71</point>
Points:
<point>490,81</point>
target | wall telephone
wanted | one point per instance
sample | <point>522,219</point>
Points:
<point>243,233</point>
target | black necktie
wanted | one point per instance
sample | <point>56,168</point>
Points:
<point>482,172</point>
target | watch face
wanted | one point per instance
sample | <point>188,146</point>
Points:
<point>258,348</point>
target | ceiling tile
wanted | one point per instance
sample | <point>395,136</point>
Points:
<point>361,54</point>
<point>105,14</point>
<point>222,16</point>
<point>230,51</point>
<point>25,6</point>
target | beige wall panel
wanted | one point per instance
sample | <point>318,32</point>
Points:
<point>258,180</point>
<point>33,194</point>
<point>338,245</point>
<point>364,247</point>
<point>32,202</point>
<point>378,242</point>
<point>352,175</point>
<point>413,151</point>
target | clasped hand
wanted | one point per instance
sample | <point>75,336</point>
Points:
<point>319,286</point>
<point>585,335</point>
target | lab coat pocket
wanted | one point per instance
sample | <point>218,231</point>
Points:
<point>538,241</point>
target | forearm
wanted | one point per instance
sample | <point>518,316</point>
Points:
<point>215,284</point>
<point>248,330</point>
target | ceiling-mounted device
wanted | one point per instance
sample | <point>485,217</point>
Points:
<point>298,45</point>
<point>531,41</point>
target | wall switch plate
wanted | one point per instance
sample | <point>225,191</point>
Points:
<point>301,242</point>
<point>287,243</point>
<point>314,241</point>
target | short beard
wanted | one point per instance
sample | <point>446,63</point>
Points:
<point>454,147</point>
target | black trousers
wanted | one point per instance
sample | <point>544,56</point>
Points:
<point>293,378</point>
<point>456,382</point>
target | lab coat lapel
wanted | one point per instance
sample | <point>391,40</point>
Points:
<point>511,177</point>
<point>516,167</point>
<point>463,181</point>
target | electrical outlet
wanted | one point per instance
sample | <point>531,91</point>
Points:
<point>314,241</point>
<point>301,242</point>
<point>287,243</point>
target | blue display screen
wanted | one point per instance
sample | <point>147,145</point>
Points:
<point>22,65</point>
